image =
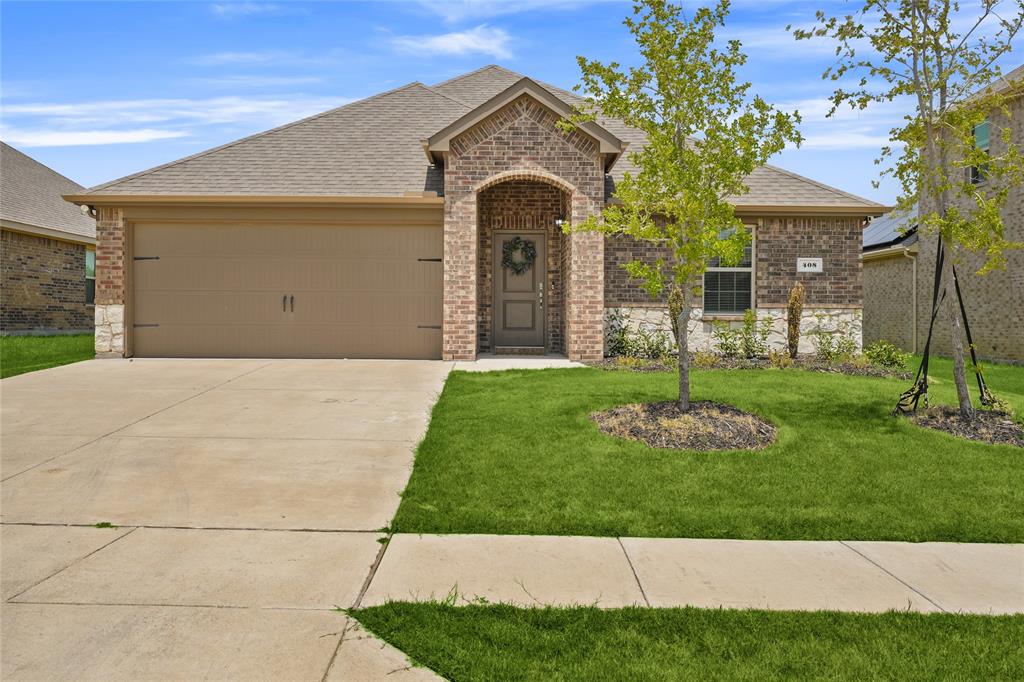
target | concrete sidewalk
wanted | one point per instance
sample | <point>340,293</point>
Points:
<point>782,575</point>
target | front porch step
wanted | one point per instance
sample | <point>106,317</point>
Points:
<point>520,350</point>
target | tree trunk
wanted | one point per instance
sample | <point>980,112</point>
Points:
<point>957,338</point>
<point>683,322</point>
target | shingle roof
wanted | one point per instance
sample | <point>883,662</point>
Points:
<point>30,194</point>
<point>372,148</point>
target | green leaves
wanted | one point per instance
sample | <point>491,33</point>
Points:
<point>705,134</point>
<point>917,53</point>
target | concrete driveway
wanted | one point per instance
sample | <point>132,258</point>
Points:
<point>245,497</point>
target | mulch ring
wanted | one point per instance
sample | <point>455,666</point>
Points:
<point>705,426</point>
<point>809,363</point>
<point>987,426</point>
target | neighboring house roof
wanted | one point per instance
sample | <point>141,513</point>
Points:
<point>31,197</point>
<point>375,148</point>
<point>898,227</point>
<point>1008,80</point>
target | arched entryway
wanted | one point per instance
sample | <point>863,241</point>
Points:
<point>522,312</point>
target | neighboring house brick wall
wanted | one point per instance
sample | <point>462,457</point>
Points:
<point>527,206</point>
<point>43,286</point>
<point>888,301</point>
<point>522,141</point>
<point>995,301</point>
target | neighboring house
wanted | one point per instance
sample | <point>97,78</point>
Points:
<point>48,250</point>
<point>378,230</point>
<point>899,271</point>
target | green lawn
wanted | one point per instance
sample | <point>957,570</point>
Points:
<point>514,452</point>
<point>506,643</point>
<point>20,354</point>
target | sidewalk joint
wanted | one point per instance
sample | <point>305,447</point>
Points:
<point>894,576</point>
<point>636,577</point>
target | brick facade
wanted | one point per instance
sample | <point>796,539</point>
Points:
<point>527,206</point>
<point>779,242</point>
<point>888,301</point>
<point>521,142</point>
<point>995,301</point>
<point>111,252</point>
<point>43,285</point>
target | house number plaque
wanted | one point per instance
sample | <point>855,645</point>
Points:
<point>808,265</point>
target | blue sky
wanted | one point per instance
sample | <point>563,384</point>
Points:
<point>101,90</point>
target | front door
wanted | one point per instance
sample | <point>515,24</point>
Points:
<point>519,298</point>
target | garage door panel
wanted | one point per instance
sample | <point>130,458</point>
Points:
<point>218,291</point>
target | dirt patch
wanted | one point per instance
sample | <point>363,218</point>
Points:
<point>987,426</point>
<point>705,426</point>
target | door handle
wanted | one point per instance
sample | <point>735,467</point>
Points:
<point>293,303</point>
<point>540,295</point>
<point>284,303</point>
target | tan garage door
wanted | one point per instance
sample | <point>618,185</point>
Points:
<point>317,291</point>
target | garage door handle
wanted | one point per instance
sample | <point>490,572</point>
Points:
<point>293,304</point>
<point>284,303</point>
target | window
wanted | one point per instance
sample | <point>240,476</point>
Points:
<point>730,291</point>
<point>90,277</point>
<point>981,139</point>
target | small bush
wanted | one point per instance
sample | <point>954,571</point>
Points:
<point>794,312</point>
<point>727,339</point>
<point>705,359</point>
<point>675,308</point>
<point>833,347</point>
<point>638,343</point>
<point>885,354</point>
<point>858,360</point>
<point>754,335</point>
<point>780,359</point>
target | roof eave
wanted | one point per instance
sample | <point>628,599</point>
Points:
<point>412,199</point>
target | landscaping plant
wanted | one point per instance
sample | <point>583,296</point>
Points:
<point>754,335</point>
<point>705,135</point>
<point>885,354</point>
<point>939,60</point>
<point>794,312</point>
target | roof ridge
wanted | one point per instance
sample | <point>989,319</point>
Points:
<point>40,163</point>
<point>197,155</point>
<point>474,72</point>
<point>822,185</point>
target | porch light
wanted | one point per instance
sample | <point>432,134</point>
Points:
<point>559,222</point>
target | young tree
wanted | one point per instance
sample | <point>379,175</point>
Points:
<point>704,136</point>
<point>928,52</point>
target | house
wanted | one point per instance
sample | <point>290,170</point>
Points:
<point>390,228</point>
<point>48,250</point>
<point>899,266</point>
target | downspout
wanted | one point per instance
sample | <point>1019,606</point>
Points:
<point>913,298</point>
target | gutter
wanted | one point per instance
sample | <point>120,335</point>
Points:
<point>410,199</point>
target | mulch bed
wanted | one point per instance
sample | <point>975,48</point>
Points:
<point>705,426</point>
<point>987,426</point>
<point>807,363</point>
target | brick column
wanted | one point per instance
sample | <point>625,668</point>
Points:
<point>585,309</point>
<point>460,285</point>
<point>110,282</point>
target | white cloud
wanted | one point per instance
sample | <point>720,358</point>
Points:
<point>265,57</point>
<point>453,11</point>
<point>58,138</point>
<point>236,8</point>
<point>38,124</point>
<point>479,40</point>
<point>256,81</point>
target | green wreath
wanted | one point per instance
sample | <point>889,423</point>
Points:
<point>525,247</point>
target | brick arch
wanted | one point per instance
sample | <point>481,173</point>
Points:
<point>528,175</point>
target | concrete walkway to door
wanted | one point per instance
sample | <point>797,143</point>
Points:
<point>246,498</point>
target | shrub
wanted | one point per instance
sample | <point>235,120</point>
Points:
<point>705,359</point>
<point>624,340</point>
<point>885,354</point>
<point>726,338</point>
<point>833,347</point>
<point>754,335</point>
<point>780,359</point>
<point>794,312</point>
